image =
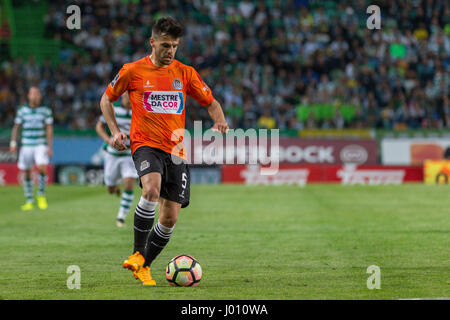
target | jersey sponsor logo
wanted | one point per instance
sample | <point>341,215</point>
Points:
<point>114,80</point>
<point>177,84</point>
<point>34,122</point>
<point>164,102</point>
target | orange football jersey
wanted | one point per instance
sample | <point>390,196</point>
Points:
<point>158,102</point>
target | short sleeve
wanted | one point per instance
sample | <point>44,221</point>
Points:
<point>119,84</point>
<point>198,89</point>
<point>18,119</point>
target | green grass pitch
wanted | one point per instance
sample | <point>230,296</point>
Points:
<point>253,242</point>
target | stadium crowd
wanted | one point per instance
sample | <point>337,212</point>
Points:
<point>262,59</point>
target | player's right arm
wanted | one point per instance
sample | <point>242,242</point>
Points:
<point>14,136</point>
<point>115,89</point>
<point>118,137</point>
<point>18,120</point>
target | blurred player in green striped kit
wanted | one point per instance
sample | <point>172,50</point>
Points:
<point>36,122</point>
<point>119,164</point>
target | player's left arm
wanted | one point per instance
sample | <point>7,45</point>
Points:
<point>49,133</point>
<point>216,113</point>
<point>202,93</point>
<point>101,131</point>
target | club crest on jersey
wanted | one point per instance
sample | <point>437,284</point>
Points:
<point>177,84</point>
<point>170,102</point>
<point>144,165</point>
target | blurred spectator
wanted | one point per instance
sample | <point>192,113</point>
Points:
<point>5,30</point>
<point>257,56</point>
<point>338,120</point>
<point>266,121</point>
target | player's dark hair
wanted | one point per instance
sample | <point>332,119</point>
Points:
<point>168,26</point>
<point>31,86</point>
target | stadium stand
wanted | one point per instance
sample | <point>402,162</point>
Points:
<point>290,64</point>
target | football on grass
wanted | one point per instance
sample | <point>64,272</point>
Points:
<point>183,271</point>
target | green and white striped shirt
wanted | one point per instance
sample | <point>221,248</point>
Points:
<point>123,118</point>
<point>34,121</point>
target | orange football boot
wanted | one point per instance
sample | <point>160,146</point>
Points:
<point>145,276</point>
<point>134,263</point>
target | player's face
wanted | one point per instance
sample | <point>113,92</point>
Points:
<point>34,97</point>
<point>164,48</point>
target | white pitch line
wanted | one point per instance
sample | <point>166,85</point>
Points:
<point>427,298</point>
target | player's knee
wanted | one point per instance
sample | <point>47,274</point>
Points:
<point>42,169</point>
<point>169,214</point>
<point>112,189</point>
<point>150,193</point>
<point>27,173</point>
<point>168,221</point>
<point>129,183</point>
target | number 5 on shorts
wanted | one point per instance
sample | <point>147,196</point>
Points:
<point>183,180</point>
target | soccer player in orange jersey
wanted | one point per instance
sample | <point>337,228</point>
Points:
<point>157,86</point>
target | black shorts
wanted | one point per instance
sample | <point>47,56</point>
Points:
<point>175,177</point>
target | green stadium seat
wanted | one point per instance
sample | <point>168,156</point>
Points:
<point>348,112</point>
<point>302,112</point>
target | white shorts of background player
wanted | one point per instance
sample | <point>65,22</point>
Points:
<point>117,168</point>
<point>30,155</point>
